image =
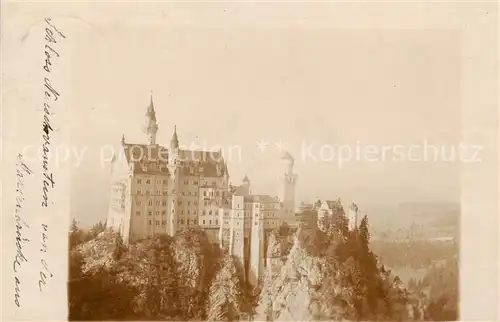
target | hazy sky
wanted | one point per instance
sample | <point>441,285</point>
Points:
<point>232,84</point>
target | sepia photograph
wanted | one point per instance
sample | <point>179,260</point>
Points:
<point>270,174</point>
<point>249,161</point>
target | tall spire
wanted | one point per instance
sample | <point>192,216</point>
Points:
<point>174,143</point>
<point>151,114</point>
<point>150,126</point>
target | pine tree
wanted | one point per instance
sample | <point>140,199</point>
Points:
<point>75,235</point>
<point>364,234</point>
<point>74,226</point>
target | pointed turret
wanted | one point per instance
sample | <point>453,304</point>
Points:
<point>151,114</point>
<point>150,126</point>
<point>174,143</point>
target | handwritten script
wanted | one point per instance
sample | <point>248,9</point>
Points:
<point>22,171</point>
<point>53,36</point>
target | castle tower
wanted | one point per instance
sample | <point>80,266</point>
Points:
<point>237,230</point>
<point>286,191</point>
<point>257,251</point>
<point>353,216</point>
<point>174,171</point>
<point>150,124</point>
<point>246,185</point>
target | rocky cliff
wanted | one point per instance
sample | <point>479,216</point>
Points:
<point>310,275</point>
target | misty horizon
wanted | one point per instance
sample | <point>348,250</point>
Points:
<point>333,87</point>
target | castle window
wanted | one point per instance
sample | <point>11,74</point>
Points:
<point>195,202</point>
<point>203,221</point>
<point>157,223</point>
<point>195,182</point>
<point>163,213</point>
<point>182,221</point>
<point>179,202</point>
<point>189,193</point>
<point>216,222</point>
<point>163,222</point>
<point>194,212</point>
<point>164,181</point>
<point>204,213</point>
<point>157,202</point>
<point>256,223</point>
<point>213,183</point>
<point>157,213</point>
<point>149,222</point>
<point>138,213</point>
<point>138,203</point>
<point>204,193</point>
<point>158,192</point>
<point>172,211</point>
<point>186,182</point>
<point>173,191</point>
<point>138,191</point>
<point>147,192</point>
<point>210,212</point>
<point>188,212</point>
<point>165,193</point>
<point>195,193</point>
<point>209,222</point>
<point>150,202</point>
<point>164,203</point>
<point>189,203</point>
<point>148,181</point>
<point>150,213</point>
<point>194,221</point>
<point>139,181</point>
<point>217,193</point>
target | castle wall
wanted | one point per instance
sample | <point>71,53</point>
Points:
<point>256,249</point>
<point>237,232</point>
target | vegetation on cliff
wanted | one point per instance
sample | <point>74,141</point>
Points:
<point>310,274</point>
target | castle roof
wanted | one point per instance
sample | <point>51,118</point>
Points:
<point>245,179</point>
<point>261,198</point>
<point>205,163</point>
<point>332,204</point>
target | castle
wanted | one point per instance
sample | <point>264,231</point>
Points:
<point>157,190</point>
